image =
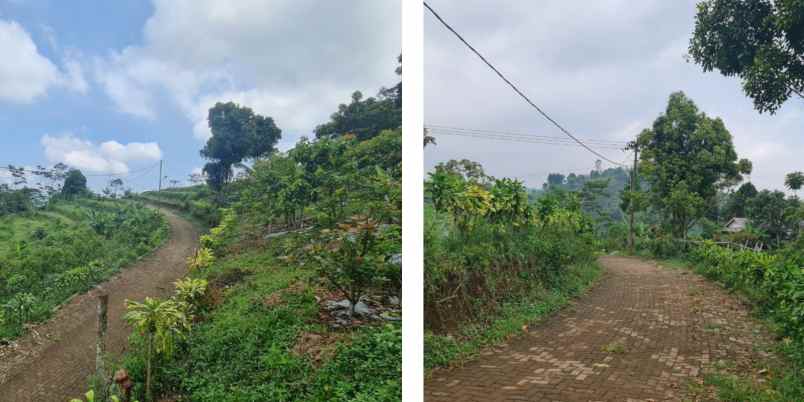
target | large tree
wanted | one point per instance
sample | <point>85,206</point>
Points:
<point>238,134</point>
<point>759,41</point>
<point>75,184</point>
<point>686,157</point>
<point>774,214</point>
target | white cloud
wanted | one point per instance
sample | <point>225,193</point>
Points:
<point>25,74</point>
<point>107,157</point>
<point>256,53</point>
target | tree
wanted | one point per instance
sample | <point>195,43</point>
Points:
<point>759,41</point>
<point>470,170</point>
<point>75,184</point>
<point>238,134</point>
<point>363,118</point>
<point>794,181</point>
<point>367,118</point>
<point>774,214</point>
<point>737,203</point>
<point>554,180</point>
<point>686,157</point>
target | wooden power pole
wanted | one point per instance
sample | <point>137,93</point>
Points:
<point>100,343</point>
<point>631,206</point>
<point>161,162</point>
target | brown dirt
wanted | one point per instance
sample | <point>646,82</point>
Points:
<point>55,359</point>
<point>642,334</point>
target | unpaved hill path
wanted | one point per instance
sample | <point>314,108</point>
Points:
<point>640,335</point>
<point>52,363</point>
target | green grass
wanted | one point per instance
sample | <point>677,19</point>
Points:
<point>48,256</point>
<point>243,348</point>
<point>447,350</point>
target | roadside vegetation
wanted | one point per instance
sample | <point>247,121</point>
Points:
<point>495,262</point>
<point>294,293</point>
<point>60,241</point>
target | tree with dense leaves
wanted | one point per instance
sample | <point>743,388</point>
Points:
<point>469,170</point>
<point>774,214</point>
<point>75,184</point>
<point>794,181</point>
<point>554,180</point>
<point>238,134</point>
<point>737,203</point>
<point>759,41</point>
<point>686,157</point>
<point>364,118</point>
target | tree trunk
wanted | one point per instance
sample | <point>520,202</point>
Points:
<point>148,358</point>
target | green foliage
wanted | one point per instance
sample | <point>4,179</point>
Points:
<point>202,258</point>
<point>237,134</point>
<point>794,180</point>
<point>354,257</point>
<point>759,41</point>
<point>486,248</point>
<point>47,257</point>
<point>368,369</point>
<point>75,184</point>
<point>686,156</point>
<point>364,118</point>
<point>777,217</point>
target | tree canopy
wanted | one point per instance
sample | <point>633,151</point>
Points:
<point>238,134</point>
<point>686,157</point>
<point>75,184</point>
<point>759,41</point>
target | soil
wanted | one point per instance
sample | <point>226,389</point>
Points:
<point>54,361</point>
<point>644,333</point>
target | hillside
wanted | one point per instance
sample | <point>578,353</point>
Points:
<point>49,254</point>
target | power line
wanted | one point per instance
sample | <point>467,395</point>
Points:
<point>520,133</point>
<point>514,87</point>
<point>521,136</point>
<point>521,139</point>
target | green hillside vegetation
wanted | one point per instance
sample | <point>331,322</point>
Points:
<point>50,253</point>
<point>495,261</point>
<point>294,294</point>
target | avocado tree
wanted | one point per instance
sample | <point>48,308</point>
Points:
<point>686,157</point>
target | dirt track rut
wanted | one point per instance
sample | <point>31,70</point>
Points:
<point>641,334</point>
<point>54,361</point>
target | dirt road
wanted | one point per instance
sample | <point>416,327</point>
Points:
<point>53,362</point>
<point>641,334</point>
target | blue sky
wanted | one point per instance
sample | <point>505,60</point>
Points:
<point>603,69</point>
<point>112,87</point>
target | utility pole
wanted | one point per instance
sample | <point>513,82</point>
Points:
<point>161,162</point>
<point>635,146</point>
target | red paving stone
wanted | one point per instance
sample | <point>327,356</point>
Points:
<point>640,335</point>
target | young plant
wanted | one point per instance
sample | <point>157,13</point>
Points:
<point>161,322</point>
<point>350,257</point>
<point>202,258</point>
<point>191,292</point>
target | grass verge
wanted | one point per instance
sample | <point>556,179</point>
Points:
<point>454,349</point>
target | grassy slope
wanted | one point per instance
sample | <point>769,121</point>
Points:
<point>243,350</point>
<point>447,350</point>
<point>64,219</point>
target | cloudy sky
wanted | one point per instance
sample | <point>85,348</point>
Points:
<point>603,69</point>
<point>113,87</point>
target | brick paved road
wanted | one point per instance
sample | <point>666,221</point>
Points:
<point>640,335</point>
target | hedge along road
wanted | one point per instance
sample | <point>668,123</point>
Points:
<point>55,359</point>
